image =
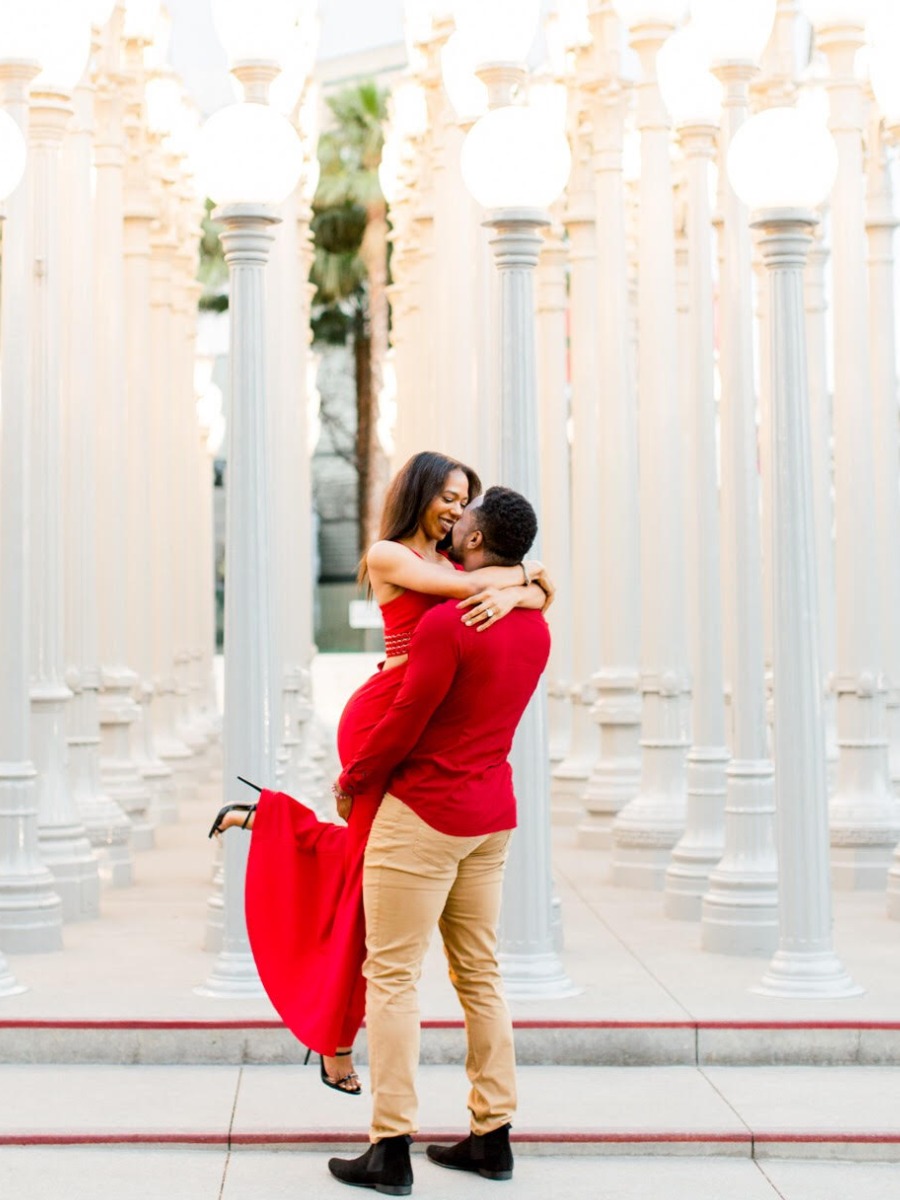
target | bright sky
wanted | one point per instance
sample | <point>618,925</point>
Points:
<point>348,27</point>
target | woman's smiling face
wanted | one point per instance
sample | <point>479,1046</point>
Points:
<point>447,506</point>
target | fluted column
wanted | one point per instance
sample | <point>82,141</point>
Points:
<point>570,777</point>
<point>700,848</point>
<point>286,358</point>
<point>63,839</point>
<point>528,956</point>
<point>250,730</point>
<point>647,828</point>
<point>805,963</point>
<point>108,828</point>
<point>615,775</point>
<point>138,598</point>
<point>864,819</point>
<point>160,468</point>
<point>555,516</point>
<point>119,770</point>
<point>739,909</point>
<point>30,908</point>
<point>820,435</point>
<point>881,223</point>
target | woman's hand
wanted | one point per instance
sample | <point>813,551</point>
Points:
<point>545,583</point>
<point>488,607</point>
<point>343,802</point>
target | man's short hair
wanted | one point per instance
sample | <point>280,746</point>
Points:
<point>508,524</point>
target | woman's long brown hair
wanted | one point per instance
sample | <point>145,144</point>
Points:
<point>411,491</point>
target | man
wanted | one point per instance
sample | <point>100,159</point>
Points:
<point>436,854</point>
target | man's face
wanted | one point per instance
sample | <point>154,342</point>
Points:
<point>465,531</point>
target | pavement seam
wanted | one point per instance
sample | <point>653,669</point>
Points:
<point>228,1144</point>
<point>762,1170</point>
<point>729,1104</point>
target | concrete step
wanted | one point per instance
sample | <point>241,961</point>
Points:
<point>564,1043</point>
<point>216,1173</point>
<point>722,1112</point>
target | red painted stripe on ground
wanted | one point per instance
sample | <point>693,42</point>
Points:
<point>787,1026</point>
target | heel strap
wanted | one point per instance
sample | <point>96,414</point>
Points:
<point>342,1053</point>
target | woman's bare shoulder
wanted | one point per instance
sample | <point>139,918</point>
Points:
<point>384,553</point>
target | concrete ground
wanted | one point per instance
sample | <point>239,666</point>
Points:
<point>665,1077</point>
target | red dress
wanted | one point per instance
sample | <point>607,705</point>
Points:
<point>304,876</point>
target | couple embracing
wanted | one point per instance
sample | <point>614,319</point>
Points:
<point>340,917</point>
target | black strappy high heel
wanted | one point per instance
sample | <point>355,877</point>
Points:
<point>338,1086</point>
<point>249,809</point>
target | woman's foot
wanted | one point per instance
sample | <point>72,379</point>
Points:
<point>340,1072</point>
<point>234,815</point>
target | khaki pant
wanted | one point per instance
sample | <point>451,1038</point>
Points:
<point>415,879</point>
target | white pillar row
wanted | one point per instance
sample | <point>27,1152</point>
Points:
<point>881,223</point>
<point>406,297</point>
<point>865,823</point>
<point>250,732</point>
<point>820,435</point>
<point>570,776</point>
<point>286,352</point>
<point>805,963</point>
<point>701,846</point>
<point>108,828</point>
<point>119,770</point>
<point>740,908</point>
<point>191,726</point>
<point>555,515</point>
<point>63,839</point>
<point>161,467</point>
<point>528,958</point>
<point>647,828</point>
<point>30,908</point>
<point>615,776</point>
<point>138,399</point>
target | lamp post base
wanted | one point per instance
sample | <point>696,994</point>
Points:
<point>535,977</point>
<point>816,976</point>
<point>234,977</point>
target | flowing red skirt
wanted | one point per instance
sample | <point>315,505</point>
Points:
<point>304,894</point>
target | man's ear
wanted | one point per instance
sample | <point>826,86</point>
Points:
<point>474,541</point>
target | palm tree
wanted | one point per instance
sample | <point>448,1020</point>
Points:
<point>350,268</point>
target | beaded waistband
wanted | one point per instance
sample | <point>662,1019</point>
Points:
<point>396,644</point>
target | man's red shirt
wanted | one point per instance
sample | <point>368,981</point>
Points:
<point>443,746</point>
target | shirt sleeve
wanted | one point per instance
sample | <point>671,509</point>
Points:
<point>430,670</point>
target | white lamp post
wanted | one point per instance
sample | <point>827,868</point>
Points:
<point>782,164</point>
<point>63,54</point>
<point>615,775</point>
<point>30,910</point>
<point>738,912</point>
<point>884,38</point>
<point>119,770</point>
<point>108,828</point>
<point>515,163</point>
<point>693,97</point>
<point>570,776</point>
<point>864,819</point>
<point>248,159</point>
<point>647,828</point>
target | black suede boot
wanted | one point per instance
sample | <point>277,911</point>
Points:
<point>488,1154</point>
<point>385,1166</point>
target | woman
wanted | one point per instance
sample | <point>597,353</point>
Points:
<point>304,876</point>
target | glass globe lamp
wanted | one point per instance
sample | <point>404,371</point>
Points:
<point>101,11</point>
<point>58,36</point>
<point>883,32</point>
<point>650,12</point>
<point>691,94</point>
<point>141,19</point>
<point>513,157</point>
<point>257,31</point>
<point>499,31</point>
<point>574,24</point>
<point>12,155</point>
<point>782,158</point>
<point>733,30</point>
<point>467,93</point>
<point>409,110</point>
<point>829,14</point>
<point>248,153</point>
<point>163,101</point>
